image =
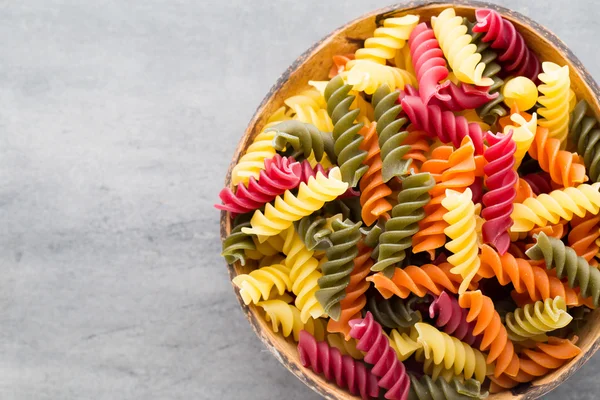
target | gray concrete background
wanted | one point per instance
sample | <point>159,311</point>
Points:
<point>117,122</point>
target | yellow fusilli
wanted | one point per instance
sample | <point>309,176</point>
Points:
<point>403,344</point>
<point>443,348</point>
<point>290,208</point>
<point>310,107</point>
<point>366,76</point>
<point>304,274</point>
<point>556,95</point>
<point>462,230</point>
<point>534,320</point>
<point>388,39</point>
<point>523,135</point>
<point>287,316</point>
<point>551,207</point>
<point>456,44</point>
<point>257,284</point>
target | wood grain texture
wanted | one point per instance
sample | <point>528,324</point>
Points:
<point>314,64</point>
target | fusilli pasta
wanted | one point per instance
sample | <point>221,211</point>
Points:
<point>289,208</point>
<point>460,217</point>
<point>456,44</point>
<point>567,264</point>
<point>537,319</point>
<point>555,101</point>
<point>443,348</point>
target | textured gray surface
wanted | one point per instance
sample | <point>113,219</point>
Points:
<point>117,123</point>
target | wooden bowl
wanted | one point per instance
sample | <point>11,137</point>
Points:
<point>314,64</point>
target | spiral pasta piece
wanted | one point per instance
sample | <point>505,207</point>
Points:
<point>538,361</point>
<point>253,161</point>
<point>304,138</point>
<point>417,280</point>
<point>426,388</point>
<point>583,236</point>
<point>403,344</point>
<point>304,274</point>
<point>567,264</point>
<point>373,191</point>
<point>289,208</point>
<point>456,44</point>
<point>585,133</point>
<point>338,267</point>
<point>448,315</point>
<point>443,348</point>
<point>394,313</point>
<point>451,170</point>
<point>388,39</point>
<point>564,167</point>
<point>530,280</point>
<point>448,127</point>
<point>514,55</point>
<point>355,299</point>
<point>500,180</point>
<point>236,244</point>
<point>555,101</point>
<point>279,175</point>
<point>310,107</point>
<point>346,347</point>
<point>495,337</point>
<point>551,207</point>
<point>286,317</point>
<point>308,171</point>
<point>534,320</point>
<point>345,371</point>
<point>346,139</point>
<point>391,372</point>
<point>391,138</point>
<point>523,134</point>
<point>428,62</point>
<point>314,231</point>
<point>366,76</point>
<point>404,221</point>
<point>462,230</point>
<point>257,284</point>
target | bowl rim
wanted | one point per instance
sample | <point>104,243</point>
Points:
<point>531,392</point>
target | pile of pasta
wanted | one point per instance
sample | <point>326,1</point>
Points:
<point>424,224</point>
